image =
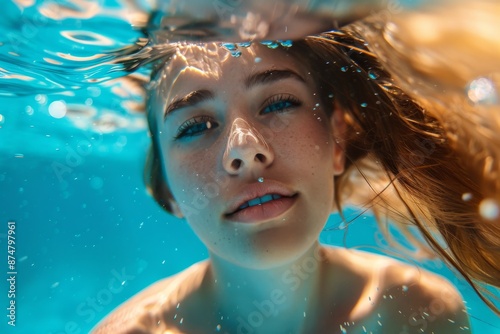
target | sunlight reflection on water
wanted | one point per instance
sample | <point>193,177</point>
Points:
<point>57,73</point>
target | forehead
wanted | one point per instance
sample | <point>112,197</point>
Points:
<point>195,64</point>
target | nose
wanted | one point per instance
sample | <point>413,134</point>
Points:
<point>246,149</point>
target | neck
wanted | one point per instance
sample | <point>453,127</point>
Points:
<point>280,293</point>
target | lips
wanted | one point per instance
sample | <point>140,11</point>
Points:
<point>271,195</point>
<point>260,200</point>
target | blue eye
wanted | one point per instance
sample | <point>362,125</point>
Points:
<point>280,103</point>
<point>195,127</point>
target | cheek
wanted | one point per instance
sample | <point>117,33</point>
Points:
<point>184,173</point>
<point>308,141</point>
<point>192,179</point>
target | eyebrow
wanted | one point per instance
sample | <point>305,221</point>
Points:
<point>270,76</point>
<point>189,100</point>
<point>260,78</point>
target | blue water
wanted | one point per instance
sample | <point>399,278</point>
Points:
<point>87,234</point>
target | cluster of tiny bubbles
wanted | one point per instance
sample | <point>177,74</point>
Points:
<point>232,48</point>
<point>489,209</point>
<point>235,52</point>
<point>275,44</point>
<point>482,91</point>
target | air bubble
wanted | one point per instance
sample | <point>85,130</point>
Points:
<point>244,44</point>
<point>236,54</point>
<point>260,179</point>
<point>121,141</point>
<point>257,60</point>
<point>344,68</point>
<point>364,104</point>
<point>482,91</point>
<point>286,44</point>
<point>57,109</point>
<point>405,288</point>
<point>270,44</point>
<point>96,183</point>
<point>41,99</point>
<point>488,209</point>
<point>466,197</point>
<point>230,46</point>
<point>2,119</point>
<point>373,75</point>
<point>29,110</point>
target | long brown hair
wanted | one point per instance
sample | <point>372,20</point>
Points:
<point>401,162</point>
<point>414,170</point>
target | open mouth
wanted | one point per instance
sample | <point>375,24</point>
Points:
<point>262,208</point>
<point>260,201</point>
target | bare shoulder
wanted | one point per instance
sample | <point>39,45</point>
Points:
<point>144,311</point>
<point>401,298</point>
<point>423,301</point>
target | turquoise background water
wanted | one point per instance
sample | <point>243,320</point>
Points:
<point>87,234</point>
<point>88,242</point>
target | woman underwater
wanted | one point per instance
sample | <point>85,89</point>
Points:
<point>272,142</point>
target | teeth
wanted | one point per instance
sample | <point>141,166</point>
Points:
<point>259,200</point>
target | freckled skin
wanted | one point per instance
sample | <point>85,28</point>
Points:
<point>271,277</point>
<point>309,172</point>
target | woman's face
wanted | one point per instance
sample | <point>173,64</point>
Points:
<point>223,123</point>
